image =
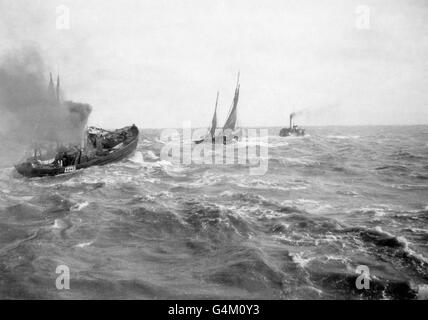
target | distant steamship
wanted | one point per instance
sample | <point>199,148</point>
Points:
<point>293,130</point>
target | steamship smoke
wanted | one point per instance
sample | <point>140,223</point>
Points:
<point>30,111</point>
<point>319,113</point>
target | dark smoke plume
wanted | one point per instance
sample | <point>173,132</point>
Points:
<point>320,114</point>
<point>30,113</point>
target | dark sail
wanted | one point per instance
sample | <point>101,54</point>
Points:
<point>233,114</point>
<point>214,121</point>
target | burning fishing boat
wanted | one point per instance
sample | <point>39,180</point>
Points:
<point>293,130</point>
<point>230,131</point>
<point>67,146</point>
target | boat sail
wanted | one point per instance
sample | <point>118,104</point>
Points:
<point>229,129</point>
<point>231,121</point>
<point>211,132</point>
<point>214,121</point>
<point>228,133</point>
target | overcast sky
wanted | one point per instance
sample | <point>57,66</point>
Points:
<point>158,63</point>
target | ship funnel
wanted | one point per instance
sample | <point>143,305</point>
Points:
<point>291,120</point>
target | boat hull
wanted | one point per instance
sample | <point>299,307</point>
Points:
<point>28,170</point>
<point>219,140</point>
<point>286,132</point>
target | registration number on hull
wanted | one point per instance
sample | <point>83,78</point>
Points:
<point>70,169</point>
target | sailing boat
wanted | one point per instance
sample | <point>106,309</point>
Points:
<point>213,128</point>
<point>229,132</point>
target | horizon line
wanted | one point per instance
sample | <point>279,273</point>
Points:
<point>309,126</point>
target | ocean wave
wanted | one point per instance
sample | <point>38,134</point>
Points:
<point>419,176</point>
<point>417,230</point>
<point>278,144</point>
<point>58,224</point>
<point>248,201</point>
<point>393,168</point>
<point>400,245</point>
<point>341,285</point>
<point>325,206</point>
<point>377,237</point>
<point>409,187</point>
<point>269,185</point>
<point>300,260</point>
<point>372,211</point>
<point>343,137</point>
<point>299,161</point>
<point>347,193</point>
<point>137,157</point>
<point>404,155</point>
<point>84,244</point>
<point>79,206</point>
<point>246,268</point>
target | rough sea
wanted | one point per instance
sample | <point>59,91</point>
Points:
<point>145,228</point>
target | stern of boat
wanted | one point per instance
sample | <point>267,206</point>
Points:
<point>24,169</point>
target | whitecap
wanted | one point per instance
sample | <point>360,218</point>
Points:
<point>406,248</point>
<point>79,206</point>
<point>418,230</point>
<point>152,155</point>
<point>378,212</point>
<point>58,224</point>
<point>84,244</point>
<point>298,259</point>
<point>342,259</point>
<point>137,158</point>
<point>418,256</point>
<point>381,231</point>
